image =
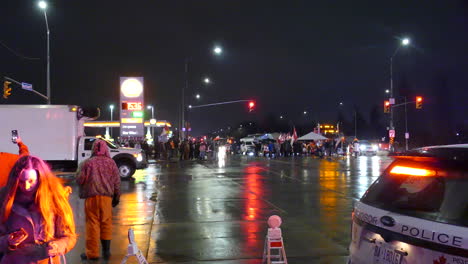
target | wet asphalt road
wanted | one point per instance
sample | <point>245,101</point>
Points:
<point>204,212</point>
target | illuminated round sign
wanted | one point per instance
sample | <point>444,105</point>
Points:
<point>274,221</point>
<point>131,88</point>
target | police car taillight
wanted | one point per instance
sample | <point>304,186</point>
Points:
<point>413,171</point>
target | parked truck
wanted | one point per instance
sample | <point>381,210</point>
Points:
<point>56,134</point>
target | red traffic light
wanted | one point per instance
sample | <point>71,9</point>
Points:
<point>419,101</point>
<point>386,106</point>
<point>251,106</point>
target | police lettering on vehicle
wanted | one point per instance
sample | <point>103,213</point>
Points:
<point>459,260</point>
<point>440,238</point>
<point>368,218</point>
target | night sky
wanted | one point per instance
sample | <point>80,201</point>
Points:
<point>289,56</point>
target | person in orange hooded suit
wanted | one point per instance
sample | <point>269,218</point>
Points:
<point>99,181</point>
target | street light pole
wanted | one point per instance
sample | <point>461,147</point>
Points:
<point>355,123</point>
<point>185,87</point>
<point>404,42</point>
<point>43,6</point>
<point>406,126</point>
<point>152,117</point>
<point>391,87</point>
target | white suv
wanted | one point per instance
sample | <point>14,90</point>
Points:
<point>416,211</point>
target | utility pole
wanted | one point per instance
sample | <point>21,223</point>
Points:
<point>406,126</point>
<point>185,87</point>
<point>404,42</point>
<point>355,123</point>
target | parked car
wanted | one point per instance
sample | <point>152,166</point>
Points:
<point>416,211</point>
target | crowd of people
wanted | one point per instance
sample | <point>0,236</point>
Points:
<point>36,219</point>
<point>320,148</point>
<point>172,149</point>
<point>203,148</point>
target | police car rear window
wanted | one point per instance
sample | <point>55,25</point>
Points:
<point>436,198</point>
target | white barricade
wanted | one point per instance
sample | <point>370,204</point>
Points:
<point>273,252</point>
<point>133,250</point>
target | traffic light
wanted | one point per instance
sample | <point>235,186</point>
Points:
<point>6,89</point>
<point>251,106</point>
<point>419,101</point>
<point>386,107</point>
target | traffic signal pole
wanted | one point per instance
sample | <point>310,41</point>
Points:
<point>31,90</point>
<point>406,117</point>
<point>406,127</point>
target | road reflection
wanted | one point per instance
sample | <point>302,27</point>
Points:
<point>331,180</point>
<point>254,191</point>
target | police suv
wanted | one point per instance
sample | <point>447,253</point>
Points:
<point>416,211</point>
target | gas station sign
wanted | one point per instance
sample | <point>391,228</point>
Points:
<point>131,108</point>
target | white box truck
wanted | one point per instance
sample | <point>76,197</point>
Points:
<point>55,133</point>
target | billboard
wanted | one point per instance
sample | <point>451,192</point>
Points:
<point>132,109</point>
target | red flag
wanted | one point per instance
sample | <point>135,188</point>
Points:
<point>165,130</point>
<point>294,136</point>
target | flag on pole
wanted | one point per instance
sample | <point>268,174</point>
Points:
<point>164,137</point>
<point>294,136</point>
<point>165,131</point>
<point>281,138</point>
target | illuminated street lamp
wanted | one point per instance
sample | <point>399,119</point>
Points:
<point>305,112</point>
<point>405,41</point>
<point>218,50</point>
<point>197,96</point>
<point>43,5</point>
<point>207,80</point>
<point>387,91</point>
<point>152,110</point>
<point>111,110</point>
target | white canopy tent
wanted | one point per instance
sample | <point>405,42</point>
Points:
<point>312,136</point>
<point>274,136</point>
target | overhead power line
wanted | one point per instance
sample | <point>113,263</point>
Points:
<point>17,53</point>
